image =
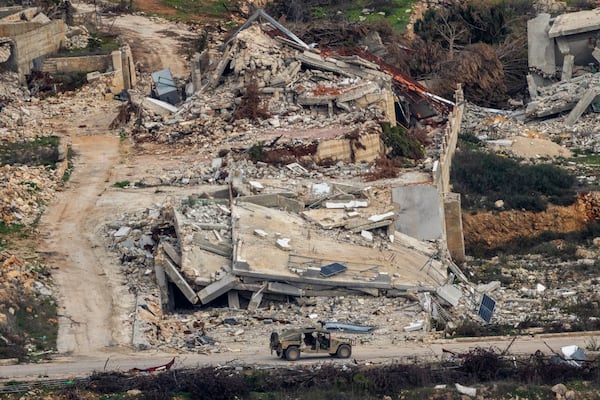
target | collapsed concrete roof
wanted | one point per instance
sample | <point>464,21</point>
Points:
<point>576,22</point>
<point>277,59</point>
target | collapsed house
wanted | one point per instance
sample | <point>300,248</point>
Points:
<point>564,48</point>
<point>291,231</point>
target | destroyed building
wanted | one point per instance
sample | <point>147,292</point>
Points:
<point>296,231</point>
<point>564,56</point>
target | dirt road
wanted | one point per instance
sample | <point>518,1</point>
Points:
<point>258,354</point>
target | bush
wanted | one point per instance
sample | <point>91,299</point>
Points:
<point>401,142</point>
<point>482,178</point>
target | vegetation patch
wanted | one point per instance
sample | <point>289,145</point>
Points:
<point>393,12</point>
<point>403,143</point>
<point>98,43</point>
<point>482,178</point>
<point>7,228</point>
<point>502,373</point>
<point>189,10</point>
<point>252,106</point>
<point>43,150</point>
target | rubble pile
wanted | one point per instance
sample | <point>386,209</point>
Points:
<point>561,96</point>
<point>506,130</point>
<point>210,329</point>
<point>77,37</point>
<point>310,95</point>
<point>24,192</point>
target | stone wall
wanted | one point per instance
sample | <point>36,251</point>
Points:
<point>452,221</point>
<point>32,41</point>
<point>77,64</point>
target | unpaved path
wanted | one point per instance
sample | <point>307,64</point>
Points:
<point>258,354</point>
<point>155,43</point>
<point>68,240</point>
<point>95,305</point>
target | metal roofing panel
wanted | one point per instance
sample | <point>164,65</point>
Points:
<point>163,81</point>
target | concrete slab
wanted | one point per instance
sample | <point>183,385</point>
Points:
<point>180,281</point>
<point>261,258</point>
<point>574,23</point>
<point>449,293</point>
<point>216,289</point>
<point>420,211</point>
<point>581,106</point>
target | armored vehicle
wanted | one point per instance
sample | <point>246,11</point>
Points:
<point>313,340</point>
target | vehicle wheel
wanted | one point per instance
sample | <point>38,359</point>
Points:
<point>292,353</point>
<point>274,339</point>
<point>344,351</point>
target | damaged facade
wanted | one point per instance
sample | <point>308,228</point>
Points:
<point>564,55</point>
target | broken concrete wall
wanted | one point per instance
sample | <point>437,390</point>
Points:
<point>31,42</point>
<point>342,149</point>
<point>454,228</point>
<point>541,49</point>
<point>73,64</point>
<point>441,172</point>
<point>420,212</point>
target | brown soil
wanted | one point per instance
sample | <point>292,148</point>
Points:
<point>495,229</point>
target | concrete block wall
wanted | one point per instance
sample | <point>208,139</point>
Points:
<point>74,64</point>
<point>451,222</point>
<point>32,41</point>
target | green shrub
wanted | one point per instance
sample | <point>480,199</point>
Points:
<point>257,152</point>
<point>401,142</point>
<point>482,178</point>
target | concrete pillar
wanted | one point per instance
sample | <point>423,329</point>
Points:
<point>454,229</point>
<point>117,83</point>
<point>163,285</point>
<point>126,71</point>
<point>532,87</point>
<point>567,69</point>
<point>540,46</point>
<point>196,72</point>
<point>581,106</point>
<point>233,299</point>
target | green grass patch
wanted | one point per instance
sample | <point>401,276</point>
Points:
<point>43,150</point>
<point>121,184</point>
<point>10,228</point>
<point>589,159</point>
<point>483,177</point>
<point>98,43</point>
<point>36,319</point>
<point>395,12</point>
<point>188,10</point>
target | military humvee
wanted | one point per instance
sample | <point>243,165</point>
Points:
<point>290,343</point>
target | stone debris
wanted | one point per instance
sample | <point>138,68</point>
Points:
<point>76,37</point>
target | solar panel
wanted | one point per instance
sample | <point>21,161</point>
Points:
<point>486,308</point>
<point>332,269</point>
